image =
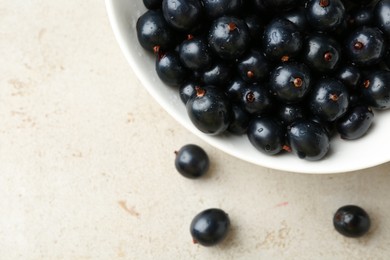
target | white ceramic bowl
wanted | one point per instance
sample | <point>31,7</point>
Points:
<point>369,151</point>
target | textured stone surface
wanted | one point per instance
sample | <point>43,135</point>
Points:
<point>86,162</point>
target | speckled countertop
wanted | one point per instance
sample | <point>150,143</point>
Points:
<point>86,162</point>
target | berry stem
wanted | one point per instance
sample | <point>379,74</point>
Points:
<point>324,3</point>
<point>200,92</point>
<point>232,26</point>
<point>298,82</point>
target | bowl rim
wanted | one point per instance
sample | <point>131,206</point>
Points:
<point>214,140</point>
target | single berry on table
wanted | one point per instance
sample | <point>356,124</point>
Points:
<point>210,227</point>
<point>351,221</point>
<point>192,161</point>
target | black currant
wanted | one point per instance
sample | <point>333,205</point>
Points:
<point>366,46</point>
<point>195,53</point>
<point>322,53</point>
<point>169,68</point>
<point>329,99</point>
<point>152,4</point>
<point>351,221</point>
<point>325,15</point>
<point>209,110</point>
<point>375,89</point>
<point>308,140</point>
<point>229,37</point>
<point>267,135</point>
<point>192,161</point>
<point>382,16</point>
<point>217,8</point>
<point>355,123</point>
<point>253,66</point>
<point>182,15</point>
<point>153,31</point>
<point>290,82</point>
<point>210,227</point>
<point>281,40</point>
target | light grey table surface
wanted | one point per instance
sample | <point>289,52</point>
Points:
<point>86,162</point>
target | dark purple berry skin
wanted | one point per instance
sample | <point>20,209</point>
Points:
<point>329,99</point>
<point>153,31</point>
<point>366,46</point>
<point>255,99</point>
<point>209,110</point>
<point>256,26</point>
<point>382,16</point>
<point>187,90</point>
<point>362,16</point>
<point>351,221</point>
<point>289,113</point>
<point>210,227</point>
<point>253,66</point>
<point>350,76</point>
<point>281,40</point>
<point>182,15</point>
<point>240,120</point>
<point>267,135</point>
<point>290,82</point>
<point>308,140</point>
<point>170,70</point>
<point>218,74</point>
<point>278,5</point>
<point>218,8</point>
<point>322,53</point>
<point>325,15</point>
<point>195,54</point>
<point>229,37</point>
<point>355,123</point>
<point>298,17</point>
<point>192,161</point>
<point>375,89</point>
<point>152,4</point>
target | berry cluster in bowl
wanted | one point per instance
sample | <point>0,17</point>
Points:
<point>288,74</point>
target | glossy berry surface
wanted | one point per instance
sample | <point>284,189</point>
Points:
<point>219,74</point>
<point>253,66</point>
<point>210,227</point>
<point>382,16</point>
<point>281,40</point>
<point>290,82</point>
<point>308,140</point>
<point>322,53</point>
<point>255,99</point>
<point>153,31</point>
<point>169,68</point>
<point>267,135</point>
<point>351,221</point>
<point>355,123</point>
<point>182,14</point>
<point>209,110</point>
<point>329,99</point>
<point>325,15</point>
<point>229,37</point>
<point>240,120</point>
<point>350,76</point>
<point>289,113</point>
<point>195,54</point>
<point>298,17</point>
<point>187,90</point>
<point>375,89</point>
<point>152,4</point>
<point>217,8</point>
<point>366,46</point>
<point>192,161</point>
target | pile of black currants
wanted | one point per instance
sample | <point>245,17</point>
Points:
<point>289,74</point>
